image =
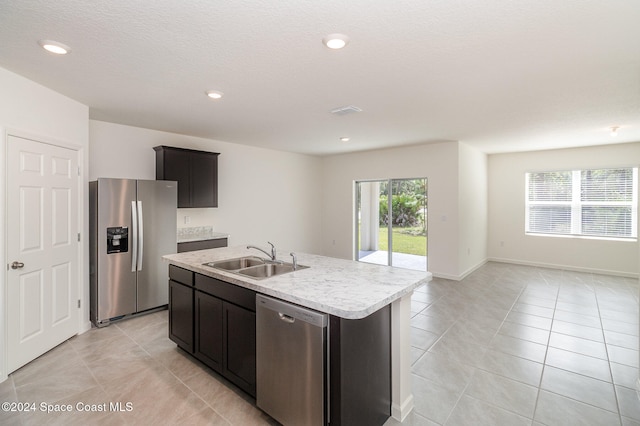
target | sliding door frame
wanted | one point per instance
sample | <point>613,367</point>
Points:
<point>357,224</point>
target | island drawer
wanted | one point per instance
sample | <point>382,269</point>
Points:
<point>181,275</point>
<point>230,292</point>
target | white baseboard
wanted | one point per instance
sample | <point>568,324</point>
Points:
<point>400,412</point>
<point>445,276</point>
<point>473,269</point>
<point>536,264</point>
<point>461,276</point>
<point>565,267</point>
<point>84,327</point>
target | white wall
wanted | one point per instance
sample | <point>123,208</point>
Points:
<point>472,208</point>
<point>32,109</point>
<point>437,162</point>
<point>507,240</point>
<point>263,195</point>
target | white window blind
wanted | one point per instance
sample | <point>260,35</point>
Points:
<point>597,202</point>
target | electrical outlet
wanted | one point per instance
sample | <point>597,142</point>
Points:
<point>187,220</point>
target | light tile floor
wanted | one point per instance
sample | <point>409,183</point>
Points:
<point>508,345</point>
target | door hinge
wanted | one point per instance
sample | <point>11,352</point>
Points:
<point>78,170</point>
<point>78,237</point>
<point>78,303</point>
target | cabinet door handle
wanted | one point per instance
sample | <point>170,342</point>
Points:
<point>134,239</point>
<point>17,265</point>
<point>140,237</point>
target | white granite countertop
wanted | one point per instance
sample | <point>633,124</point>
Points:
<point>199,233</point>
<point>344,288</point>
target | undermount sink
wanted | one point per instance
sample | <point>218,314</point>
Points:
<point>254,267</point>
<point>239,263</point>
<point>269,269</point>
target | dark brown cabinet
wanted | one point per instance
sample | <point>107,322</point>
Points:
<point>208,330</point>
<point>216,323</point>
<point>195,171</point>
<point>358,348</point>
<point>181,307</point>
<point>202,245</point>
<point>225,339</point>
<point>240,351</point>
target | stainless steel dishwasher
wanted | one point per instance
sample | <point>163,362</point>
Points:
<point>290,362</point>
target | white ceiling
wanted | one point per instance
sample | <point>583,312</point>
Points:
<point>498,75</point>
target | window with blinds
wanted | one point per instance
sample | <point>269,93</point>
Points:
<point>594,203</point>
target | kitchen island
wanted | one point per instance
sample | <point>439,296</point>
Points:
<point>354,294</point>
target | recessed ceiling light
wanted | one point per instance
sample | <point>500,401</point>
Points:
<point>614,131</point>
<point>345,139</point>
<point>335,41</point>
<point>54,47</point>
<point>214,94</point>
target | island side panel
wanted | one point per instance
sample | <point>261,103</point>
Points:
<point>402,396</point>
<point>360,369</point>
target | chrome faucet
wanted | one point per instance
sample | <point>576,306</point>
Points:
<point>273,250</point>
<point>295,260</point>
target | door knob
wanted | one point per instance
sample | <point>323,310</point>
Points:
<point>17,265</point>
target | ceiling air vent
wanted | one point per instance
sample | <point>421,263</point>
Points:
<point>345,110</point>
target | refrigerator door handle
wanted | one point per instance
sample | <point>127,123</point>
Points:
<point>140,236</point>
<point>134,236</point>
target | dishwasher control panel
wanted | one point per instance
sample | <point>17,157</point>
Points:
<point>292,312</point>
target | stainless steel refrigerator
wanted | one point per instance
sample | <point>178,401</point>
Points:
<point>132,224</point>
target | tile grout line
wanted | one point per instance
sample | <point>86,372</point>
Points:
<point>174,375</point>
<point>475,369</point>
<point>606,348</point>
<point>466,384</point>
<point>546,351</point>
<point>82,360</point>
<point>577,400</point>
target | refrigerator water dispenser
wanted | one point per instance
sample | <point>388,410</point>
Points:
<point>117,239</point>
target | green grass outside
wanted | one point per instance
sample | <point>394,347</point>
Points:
<point>403,242</point>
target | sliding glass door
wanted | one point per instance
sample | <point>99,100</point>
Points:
<point>391,222</point>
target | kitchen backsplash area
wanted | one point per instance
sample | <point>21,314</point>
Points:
<point>198,233</point>
<point>194,218</point>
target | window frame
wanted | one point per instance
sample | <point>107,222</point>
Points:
<point>576,205</point>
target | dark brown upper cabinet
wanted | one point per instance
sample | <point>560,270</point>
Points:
<point>195,171</point>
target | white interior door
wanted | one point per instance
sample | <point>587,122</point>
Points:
<point>42,248</point>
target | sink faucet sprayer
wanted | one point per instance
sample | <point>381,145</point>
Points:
<point>273,250</point>
<point>295,260</point>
